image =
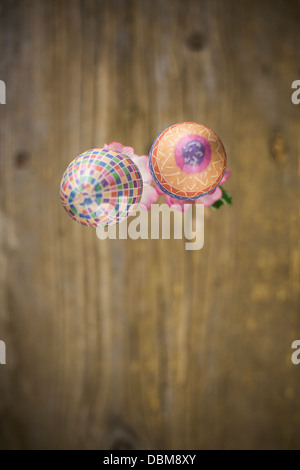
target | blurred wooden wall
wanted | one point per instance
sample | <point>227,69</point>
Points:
<point>141,344</point>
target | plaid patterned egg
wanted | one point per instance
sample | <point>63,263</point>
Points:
<point>101,187</point>
<point>187,161</point>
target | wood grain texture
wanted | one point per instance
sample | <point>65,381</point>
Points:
<point>141,344</point>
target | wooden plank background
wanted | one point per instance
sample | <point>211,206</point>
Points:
<point>141,344</point>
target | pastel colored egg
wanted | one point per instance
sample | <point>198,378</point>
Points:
<point>187,161</point>
<point>101,187</point>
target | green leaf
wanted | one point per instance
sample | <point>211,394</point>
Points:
<point>226,200</point>
<point>226,196</point>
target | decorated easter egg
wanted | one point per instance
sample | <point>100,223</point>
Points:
<point>187,161</point>
<point>101,187</point>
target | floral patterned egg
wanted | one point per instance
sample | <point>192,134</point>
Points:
<point>101,187</point>
<point>187,161</point>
